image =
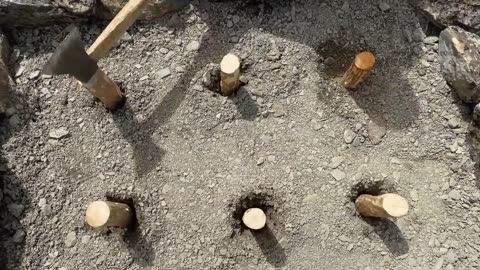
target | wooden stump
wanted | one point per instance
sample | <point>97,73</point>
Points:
<point>108,214</point>
<point>254,218</point>
<point>360,67</point>
<point>230,74</point>
<point>105,89</point>
<point>386,205</point>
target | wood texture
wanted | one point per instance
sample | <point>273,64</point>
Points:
<point>105,89</point>
<point>254,218</point>
<point>108,214</point>
<point>116,29</point>
<point>230,74</point>
<point>386,205</point>
<point>362,64</point>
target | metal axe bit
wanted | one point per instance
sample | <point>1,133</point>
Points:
<point>70,58</point>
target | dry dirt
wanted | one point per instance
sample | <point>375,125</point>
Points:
<point>292,141</point>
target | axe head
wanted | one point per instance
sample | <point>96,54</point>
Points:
<point>70,58</point>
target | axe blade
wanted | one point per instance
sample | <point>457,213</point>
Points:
<point>71,58</point>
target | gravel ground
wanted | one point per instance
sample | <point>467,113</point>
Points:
<point>292,139</point>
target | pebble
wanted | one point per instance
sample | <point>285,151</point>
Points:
<point>166,188</point>
<point>14,121</point>
<point>235,19</point>
<point>34,75</point>
<point>455,194</point>
<point>453,123</point>
<point>315,124</point>
<point>449,267</point>
<point>430,40</point>
<point>337,174</point>
<point>19,236</point>
<point>193,46</point>
<point>20,71</point>
<point>349,136</point>
<point>164,50</point>
<point>451,256</point>
<point>438,265</point>
<point>70,240</point>
<point>414,195</point>
<point>85,239</point>
<point>335,162</point>
<point>311,198</point>
<point>164,73</point>
<point>384,7</point>
<point>58,133</point>
<point>42,203</point>
<point>16,209</point>
<point>260,161</point>
<point>375,132</point>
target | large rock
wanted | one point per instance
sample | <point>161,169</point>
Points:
<point>155,8</point>
<point>32,13</point>
<point>444,13</point>
<point>459,56</point>
<point>81,7</point>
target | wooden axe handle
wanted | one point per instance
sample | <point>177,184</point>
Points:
<point>116,28</point>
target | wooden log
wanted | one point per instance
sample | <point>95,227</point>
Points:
<point>108,214</point>
<point>105,89</point>
<point>254,218</point>
<point>357,71</point>
<point>386,205</point>
<point>230,74</point>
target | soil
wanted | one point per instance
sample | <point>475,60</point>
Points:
<point>292,140</point>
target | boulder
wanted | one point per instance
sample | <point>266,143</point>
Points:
<point>443,13</point>
<point>459,57</point>
<point>32,13</point>
<point>155,8</point>
<point>79,7</point>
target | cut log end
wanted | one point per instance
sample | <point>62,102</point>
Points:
<point>98,214</point>
<point>254,218</point>
<point>365,61</point>
<point>395,205</point>
<point>230,74</point>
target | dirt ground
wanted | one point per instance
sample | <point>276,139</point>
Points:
<point>292,141</point>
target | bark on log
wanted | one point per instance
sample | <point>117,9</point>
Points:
<point>362,63</point>
<point>108,214</point>
<point>230,74</point>
<point>386,205</point>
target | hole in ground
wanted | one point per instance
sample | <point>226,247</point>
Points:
<point>372,187</point>
<point>262,200</point>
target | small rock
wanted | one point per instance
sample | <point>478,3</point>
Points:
<point>449,267</point>
<point>455,194</point>
<point>70,240</point>
<point>430,40</point>
<point>16,209</point>
<point>414,195</point>
<point>20,71</point>
<point>85,239</point>
<point>451,256</point>
<point>453,123</point>
<point>164,50</point>
<point>384,7</point>
<point>19,236</point>
<point>279,110</point>
<point>14,121</point>
<point>193,46</point>
<point>34,75</point>
<point>349,136</point>
<point>235,19</point>
<point>271,158</point>
<point>42,203</point>
<point>438,265</point>
<point>315,124</point>
<point>164,73</point>
<point>167,188</point>
<point>260,161</point>
<point>311,198</point>
<point>335,162</point>
<point>376,131</point>
<point>58,133</point>
<point>337,174</point>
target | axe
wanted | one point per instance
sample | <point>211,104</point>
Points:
<point>72,59</point>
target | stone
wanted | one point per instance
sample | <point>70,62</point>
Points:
<point>315,124</point>
<point>34,13</point>
<point>59,133</point>
<point>260,161</point>
<point>163,73</point>
<point>19,236</point>
<point>167,188</point>
<point>335,162</point>
<point>193,46</point>
<point>376,131</point>
<point>70,239</point>
<point>455,194</point>
<point>80,7</point>
<point>349,136</point>
<point>384,7</point>
<point>438,265</point>
<point>154,9</point>
<point>431,40</point>
<point>42,203</point>
<point>459,58</point>
<point>451,256</point>
<point>85,239</point>
<point>16,209</point>
<point>311,198</point>
<point>444,13</point>
<point>337,174</point>
<point>453,123</point>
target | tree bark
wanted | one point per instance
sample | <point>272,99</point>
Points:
<point>109,214</point>
<point>386,205</point>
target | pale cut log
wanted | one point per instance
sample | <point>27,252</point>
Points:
<point>254,218</point>
<point>362,64</point>
<point>109,214</point>
<point>230,74</point>
<point>386,205</point>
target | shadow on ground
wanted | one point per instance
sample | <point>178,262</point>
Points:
<point>271,249</point>
<point>390,234</point>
